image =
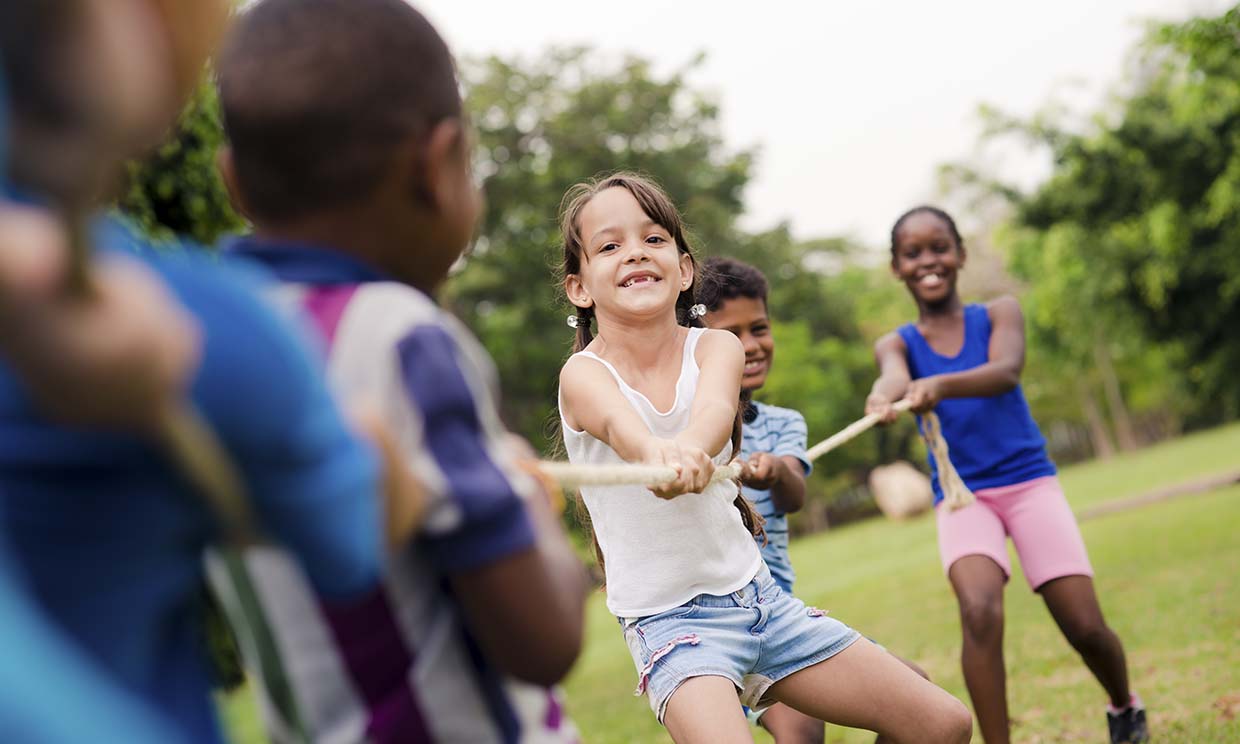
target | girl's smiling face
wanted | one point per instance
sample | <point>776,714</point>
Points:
<point>927,258</point>
<point>630,265</point>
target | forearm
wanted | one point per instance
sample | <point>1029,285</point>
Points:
<point>891,385</point>
<point>992,378</point>
<point>710,427</point>
<point>527,610</point>
<point>625,433</point>
<point>560,561</point>
<point>788,493</point>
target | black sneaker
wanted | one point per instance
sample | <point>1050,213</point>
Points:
<point>1128,725</point>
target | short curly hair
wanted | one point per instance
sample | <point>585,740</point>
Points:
<point>726,278</point>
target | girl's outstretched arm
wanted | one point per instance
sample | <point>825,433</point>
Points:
<point>893,377</point>
<point>593,402</point>
<point>997,376</point>
<point>721,359</point>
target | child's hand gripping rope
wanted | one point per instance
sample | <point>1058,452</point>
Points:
<point>955,492</point>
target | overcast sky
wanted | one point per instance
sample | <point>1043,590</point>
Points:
<point>852,105</point>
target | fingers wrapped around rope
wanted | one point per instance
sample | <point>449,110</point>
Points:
<point>955,492</point>
<point>571,476</point>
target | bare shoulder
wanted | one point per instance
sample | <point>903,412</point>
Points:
<point>581,370</point>
<point>1004,310</point>
<point>719,343</point>
<point>889,343</point>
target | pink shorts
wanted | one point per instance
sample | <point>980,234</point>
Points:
<point>1036,515</point>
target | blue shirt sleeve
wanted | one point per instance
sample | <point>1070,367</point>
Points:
<point>493,522</point>
<point>313,484</point>
<point>791,439</point>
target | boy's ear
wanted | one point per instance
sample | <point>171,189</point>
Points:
<point>443,163</point>
<point>576,291</point>
<point>226,164</point>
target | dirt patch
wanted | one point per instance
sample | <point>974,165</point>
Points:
<point>1228,707</point>
<point>1166,493</point>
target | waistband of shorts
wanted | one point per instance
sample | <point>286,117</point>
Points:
<point>756,591</point>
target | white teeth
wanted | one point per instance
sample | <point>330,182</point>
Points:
<point>931,280</point>
<point>636,280</point>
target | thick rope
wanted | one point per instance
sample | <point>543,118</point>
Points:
<point>571,476</point>
<point>850,432</point>
<point>955,493</point>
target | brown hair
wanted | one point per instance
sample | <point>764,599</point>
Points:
<point>658,206</point>
<point>317,97</point>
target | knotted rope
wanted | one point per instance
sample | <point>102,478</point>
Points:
<point>955,493</point>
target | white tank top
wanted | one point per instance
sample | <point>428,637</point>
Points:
<point>661,553</point>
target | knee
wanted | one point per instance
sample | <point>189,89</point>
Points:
<point>805,731</point>
<point>793,729</point>
<point>802,732</point>
<point>982,617</point>
<point>953,724</point>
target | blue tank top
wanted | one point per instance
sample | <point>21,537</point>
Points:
<point>993,441</point>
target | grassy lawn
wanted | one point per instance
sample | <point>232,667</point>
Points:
<point>1167,575</point>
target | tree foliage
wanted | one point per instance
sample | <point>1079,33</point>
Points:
<point>1125,257</point>
<point>543,125</point>
<point>178,190</point>
<point>1129,248</point>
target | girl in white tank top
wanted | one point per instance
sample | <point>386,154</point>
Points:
<point>660,553</point>
<point>702,617</point>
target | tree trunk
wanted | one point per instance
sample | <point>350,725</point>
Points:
<point>1124,434</point>
<point>1098,435</point>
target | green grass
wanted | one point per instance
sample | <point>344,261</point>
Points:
<point>1167,575</point>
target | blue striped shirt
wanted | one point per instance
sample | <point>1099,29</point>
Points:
<point>779,431</point>
<point>401,664</point>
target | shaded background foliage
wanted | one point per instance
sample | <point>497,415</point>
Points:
<point>1126,259</point>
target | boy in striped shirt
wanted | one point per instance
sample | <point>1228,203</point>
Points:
<point>349,155</point>
<point>773,444</point>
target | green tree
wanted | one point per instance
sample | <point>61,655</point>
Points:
<point>178,190</point>
<point>543,125</point>
<point>1128,248</point>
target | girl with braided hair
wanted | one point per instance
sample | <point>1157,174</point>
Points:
<point>964,362</point>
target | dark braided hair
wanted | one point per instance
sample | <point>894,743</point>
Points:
<point>926,209</point>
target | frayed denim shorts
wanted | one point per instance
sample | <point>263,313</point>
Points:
<point>754,636</point>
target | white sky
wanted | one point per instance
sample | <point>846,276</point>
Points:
<point>852,105</point>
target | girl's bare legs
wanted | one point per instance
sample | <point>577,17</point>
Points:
<point>703,710</point>
<point>978,582</point>
<point>1074,605</point>
<point>790,726</point>
<point>866,687</point>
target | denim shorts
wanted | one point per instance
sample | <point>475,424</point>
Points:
<point>754,636</point>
